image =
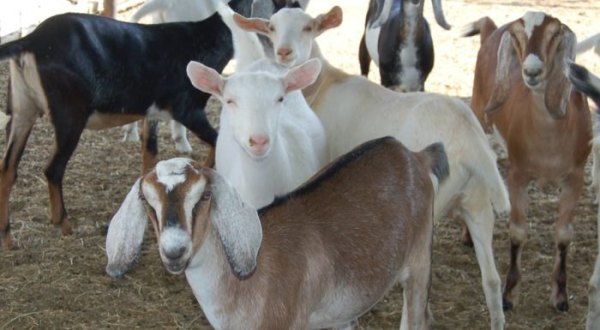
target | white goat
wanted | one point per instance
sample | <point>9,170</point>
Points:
<point>589,84</point>
<point>270,141</point>
<point>318,257</point>
<point>353,110</point>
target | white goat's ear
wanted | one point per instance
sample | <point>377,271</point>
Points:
<point>126,233</point>
<point>258,25</point>
<point>331,19</point>
<point>558,88</point>
<point>238,225</point>
<point>502,83</point>
<point>205,78</point>
<point>303,75</point>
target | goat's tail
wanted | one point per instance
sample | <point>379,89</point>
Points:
<point>435,159</point>
<point>13,48</point>
<point>589,43</point>
<point>484,27</point>
<point>148,8</point>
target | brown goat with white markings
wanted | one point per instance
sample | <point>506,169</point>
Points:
<point>521,91</point>
<point>315,258</point>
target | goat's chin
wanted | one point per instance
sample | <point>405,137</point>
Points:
<point>288,62</point>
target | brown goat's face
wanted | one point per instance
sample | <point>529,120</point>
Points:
<point>177,205</point>
<point>536,38</point>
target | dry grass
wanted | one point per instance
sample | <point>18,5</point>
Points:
<point>55,282</point>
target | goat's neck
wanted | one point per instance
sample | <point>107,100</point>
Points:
<point>329,74</point>
<point>209,275</point>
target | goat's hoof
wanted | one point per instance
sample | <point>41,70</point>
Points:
<point>66,228</point>
<point>506,304</point>
<point>562,306</point>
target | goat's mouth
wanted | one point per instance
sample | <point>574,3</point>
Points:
<point>532,82</point>
<point>258,152</point>
<point>287,61</point>
<point>176,266</point>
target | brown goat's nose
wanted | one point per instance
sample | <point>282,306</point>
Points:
<point>284,52</point>
<point>532,72</point>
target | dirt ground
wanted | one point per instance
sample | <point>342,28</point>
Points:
<point>59,282</point>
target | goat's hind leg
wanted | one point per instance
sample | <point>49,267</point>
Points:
<point>479,218</point>
<point>68,126</point>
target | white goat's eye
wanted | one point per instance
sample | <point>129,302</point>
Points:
<point>307,28</point>
<point>229,101</point>
<point>280,99</point>
<point>271,28</point>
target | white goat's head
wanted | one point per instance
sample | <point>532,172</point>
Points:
<point>541,45</point>
<point>185,204</point>
<point>253,101</point>
<point>292,31</point>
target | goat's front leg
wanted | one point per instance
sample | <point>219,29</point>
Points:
<point>149,144</point>
<point>571,188</point>
<point>518,230</point>
<point>67,128</point>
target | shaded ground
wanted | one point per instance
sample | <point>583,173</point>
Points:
<point>55,282</point>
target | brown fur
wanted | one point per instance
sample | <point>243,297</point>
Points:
<point>546,140</point>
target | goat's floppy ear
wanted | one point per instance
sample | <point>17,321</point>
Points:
<point>205,78</point>
<point>258,25</point>
<point>331,19</point>
<point>558,88</point>
<point>506,54</point>
<point>126,233</point>
<point>237,224</point>
<point>302,75</point>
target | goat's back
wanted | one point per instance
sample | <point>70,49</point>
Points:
<point>355,226</point>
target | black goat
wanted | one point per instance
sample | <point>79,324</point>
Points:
<point>88,71</point>
<point>398,39</point>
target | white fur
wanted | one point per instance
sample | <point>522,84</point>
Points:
<point>172,173</point>
<point>372,42</point>
<point>589,43</point>
<point>533,62</point>
<point>354,110</point>
<point>297,139</point>
<point>531,20</point>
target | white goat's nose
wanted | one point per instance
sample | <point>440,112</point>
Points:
<point>258,140</point>
<point>284,52</point>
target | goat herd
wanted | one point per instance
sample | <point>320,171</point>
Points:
<point>326,187</point>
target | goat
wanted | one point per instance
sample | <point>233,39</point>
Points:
<point>317,257</point>
<point>270,141</point>
<point>589,84</point>
<point>589,43</point>
<point>266,8</point>
<point>165,11</point>
<point>398,39</point>
<point>88,71</point>
<point>354,110</point>
<point>521,92</point>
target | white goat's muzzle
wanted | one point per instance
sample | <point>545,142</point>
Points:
<point>175,247</point>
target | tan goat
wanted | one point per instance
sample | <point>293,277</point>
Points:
<point>318,257</point>
<point>521,92</point>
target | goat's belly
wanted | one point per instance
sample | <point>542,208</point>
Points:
<point>102,121</point>
<point>342,308</point>
<point>372,41</point>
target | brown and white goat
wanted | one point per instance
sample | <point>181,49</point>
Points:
<point>521,91</point>
<point>87,71</point>
<point>398,39</point>
<point>589,84</point>
<point>354,110</point>
<point>317,257</point>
